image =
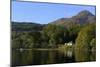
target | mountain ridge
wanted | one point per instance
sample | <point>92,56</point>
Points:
<point>81,18</point>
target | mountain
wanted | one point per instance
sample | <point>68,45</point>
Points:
<point>82,17</point>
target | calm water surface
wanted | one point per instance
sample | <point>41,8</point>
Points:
<point>39,57</point>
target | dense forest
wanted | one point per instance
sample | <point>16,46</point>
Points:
<point>79,29</point>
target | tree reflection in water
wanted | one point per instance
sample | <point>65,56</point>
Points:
<point>39,57</point>
<point>84,56</point>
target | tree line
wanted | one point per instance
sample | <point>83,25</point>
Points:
<point>51,36</point>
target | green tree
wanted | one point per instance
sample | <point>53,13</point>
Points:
<point>85,36</point>
<point>93,44</point>
<point>55,34</point>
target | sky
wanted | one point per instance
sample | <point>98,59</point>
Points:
<point>44,13</point>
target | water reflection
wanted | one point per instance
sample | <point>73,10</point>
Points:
<point>22,58</point>
<point>38,57</point>
<point>84,56</point>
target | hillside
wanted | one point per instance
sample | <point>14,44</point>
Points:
<point>25,26</point>
<point>83,17</point>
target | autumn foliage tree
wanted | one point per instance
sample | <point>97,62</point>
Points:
<point>85,37</point>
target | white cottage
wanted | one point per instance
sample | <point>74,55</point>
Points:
<point>69,44</point>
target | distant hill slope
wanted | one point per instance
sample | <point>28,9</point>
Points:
<point>82,17</point>
<point>25,26</point>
